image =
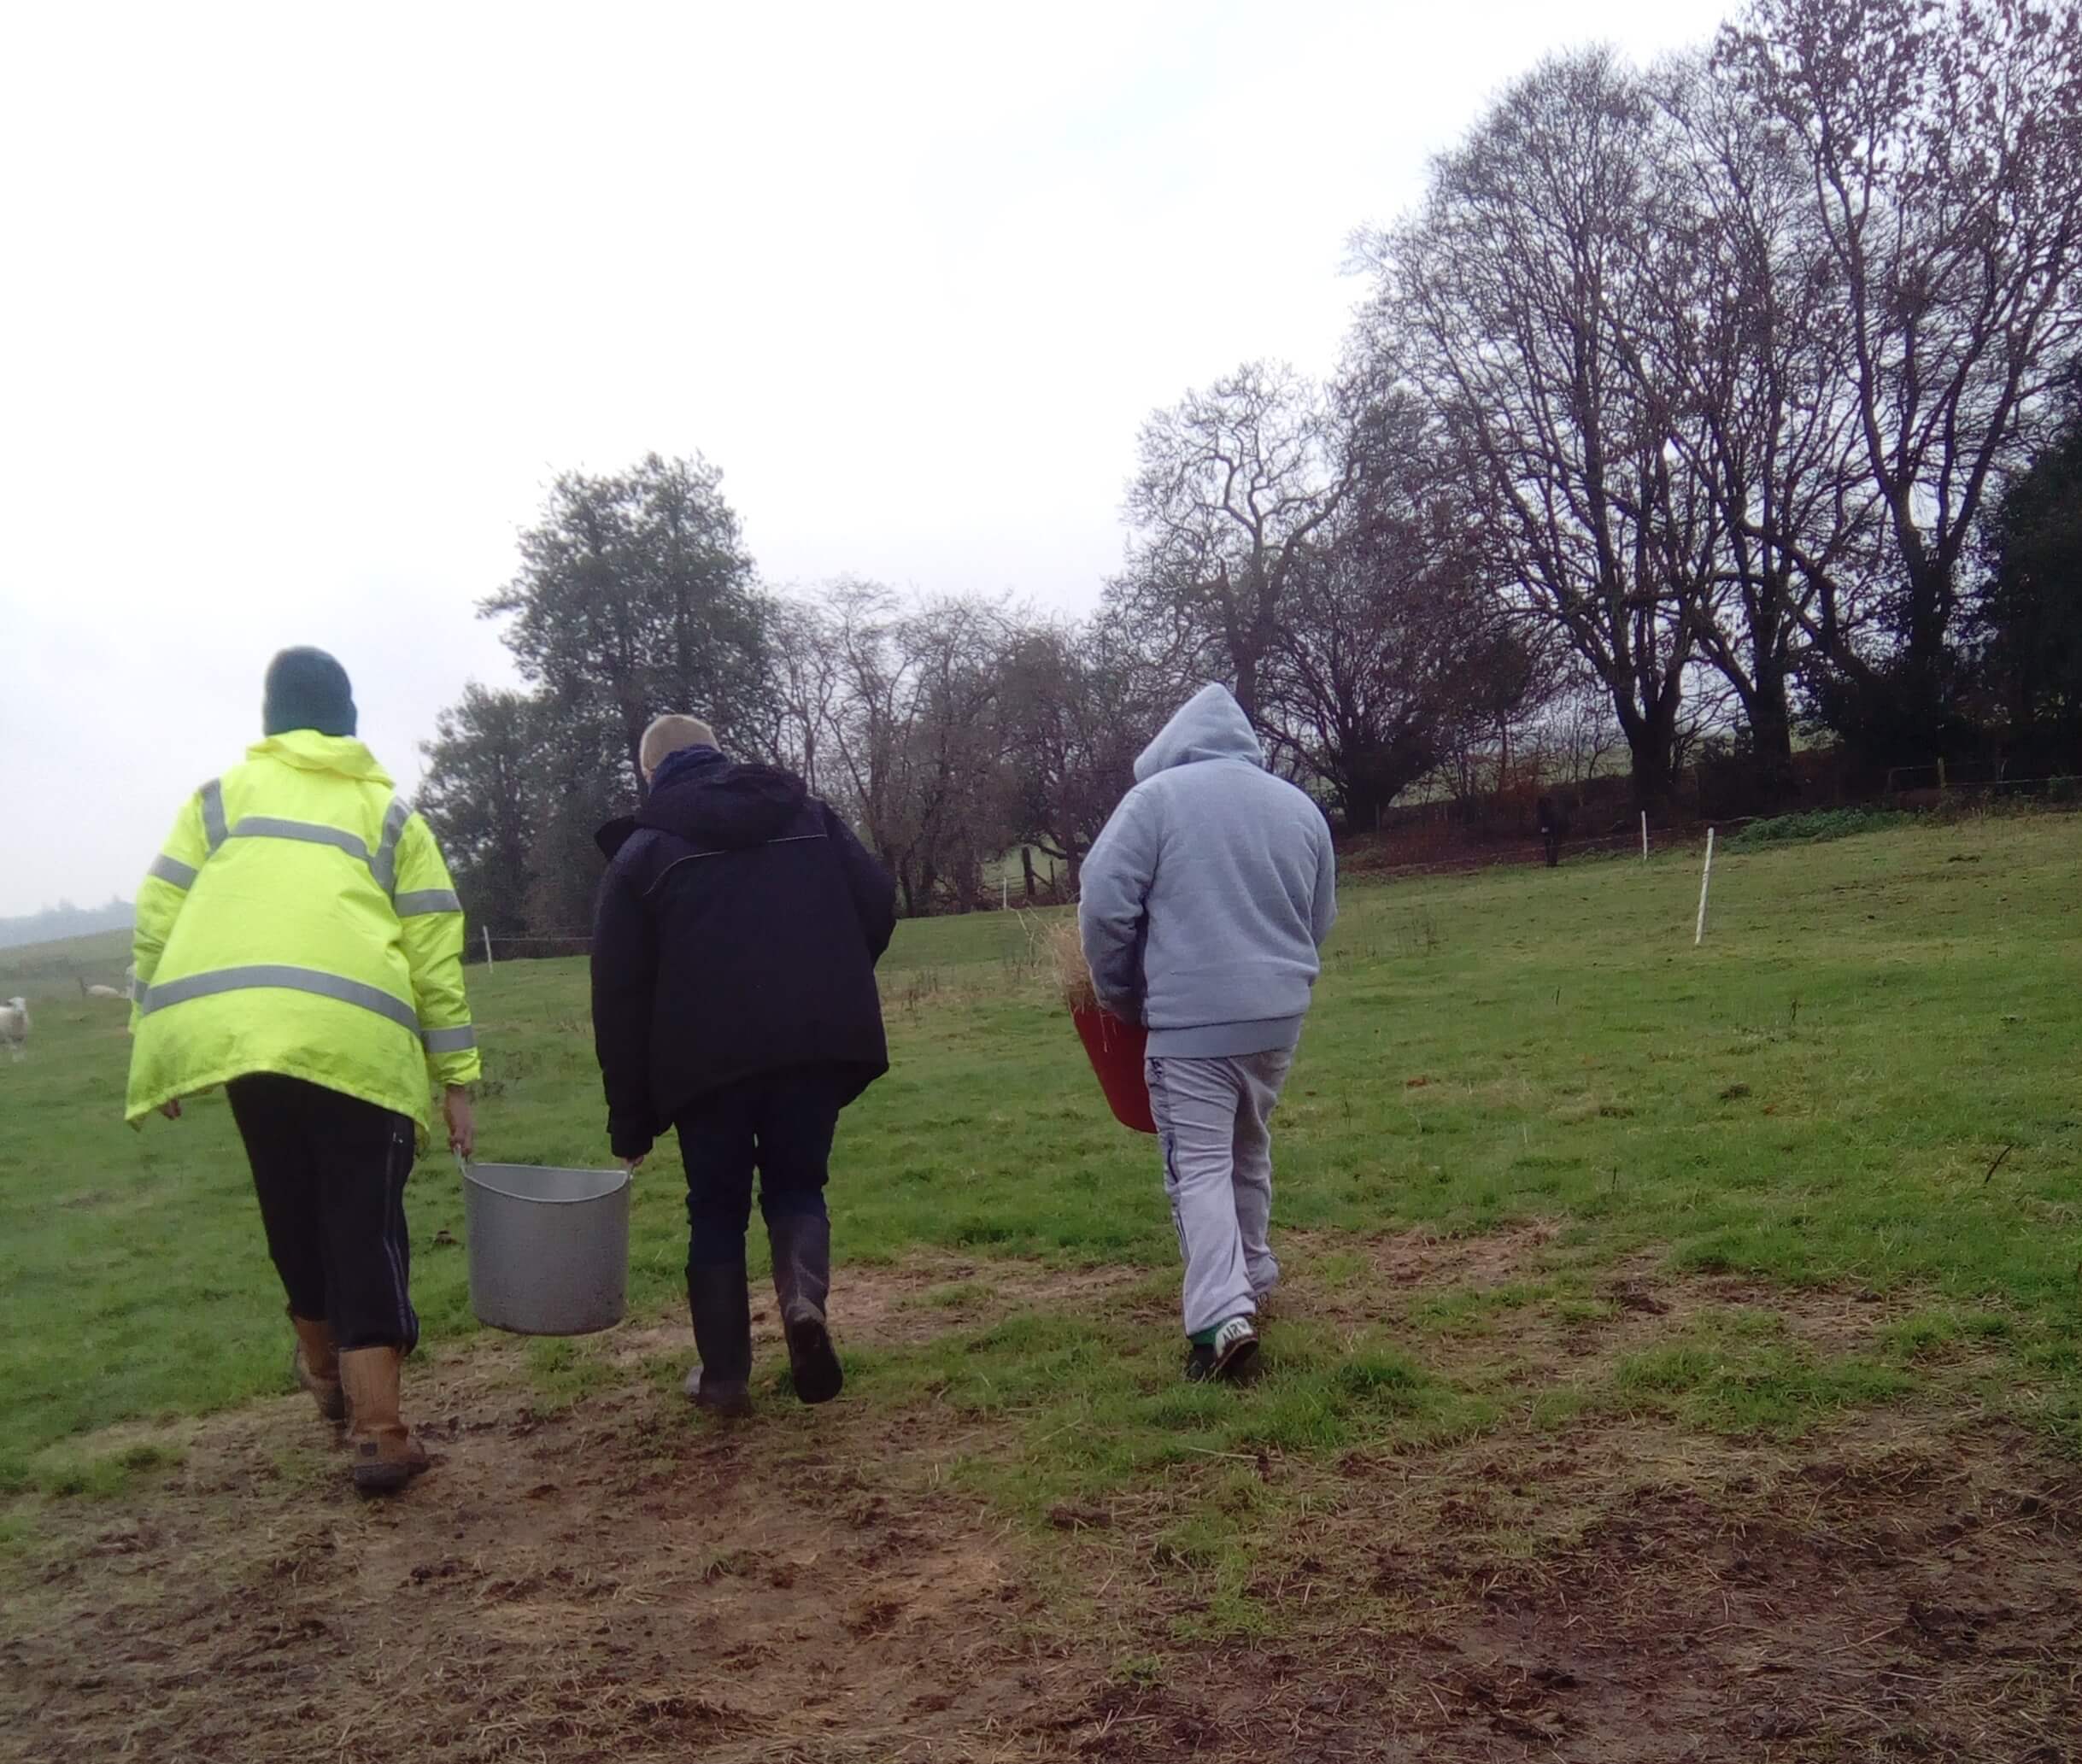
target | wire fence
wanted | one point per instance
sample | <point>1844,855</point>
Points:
<point>1979,779</point>
<point>533,948</point>
<point>1517,855</point>
<point>1909,786</point>
<point>492,949</point>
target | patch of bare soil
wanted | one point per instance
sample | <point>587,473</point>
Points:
<point>1420,1259</point>
<point>1642,1300</point>
<point>619,1579</point>
<point>1629,1596</point>
<point>925,1296</point>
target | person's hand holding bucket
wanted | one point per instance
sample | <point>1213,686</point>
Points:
<point>462,1119</point>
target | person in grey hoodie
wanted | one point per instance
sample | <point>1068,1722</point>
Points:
<point>1203,906</point>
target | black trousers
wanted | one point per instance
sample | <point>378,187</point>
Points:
<point>780,1125</point>
<point>330,1171</point>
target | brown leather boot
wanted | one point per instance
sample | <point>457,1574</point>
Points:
<point>317,1364</point>
<point>385,1456</point>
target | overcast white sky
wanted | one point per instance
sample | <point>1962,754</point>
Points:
<point>301,307</point>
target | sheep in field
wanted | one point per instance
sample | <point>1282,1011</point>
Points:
<point>106,992</point>
<point>14,1026</point>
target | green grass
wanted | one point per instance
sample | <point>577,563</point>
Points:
<point>1815,1097</point>
<point>1738,1373</point>
<point>99,1474</point>
<point>1817,825</point>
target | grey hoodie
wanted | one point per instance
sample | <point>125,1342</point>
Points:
<point>1205,899</point>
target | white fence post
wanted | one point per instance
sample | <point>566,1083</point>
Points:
<point>1698,934</point>
<point>486,929</point>
<point>1644,835</point>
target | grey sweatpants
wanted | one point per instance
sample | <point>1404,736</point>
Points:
<point>1211,1117</point>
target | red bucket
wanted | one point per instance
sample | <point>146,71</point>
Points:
<point>1116,1049</point>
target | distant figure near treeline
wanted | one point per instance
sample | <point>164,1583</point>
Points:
<point>1553,828</point>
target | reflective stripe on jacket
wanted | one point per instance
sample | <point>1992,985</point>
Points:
<point>300,919</point>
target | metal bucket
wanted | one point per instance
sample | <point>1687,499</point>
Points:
<point>548,1248</point>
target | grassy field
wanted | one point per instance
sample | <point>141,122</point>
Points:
<point>1815,1096</point>
<point>1548,1176</point>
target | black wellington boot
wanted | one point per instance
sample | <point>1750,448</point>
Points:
<point>721,1305</point>
<point>801,1279</point>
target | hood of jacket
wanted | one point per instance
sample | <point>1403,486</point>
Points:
<point>1208,725</point>
<point>713,802</point>
<point>308,751</point>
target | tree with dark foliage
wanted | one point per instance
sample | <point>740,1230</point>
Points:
<point>635,597</point>
<point>2028,620</point>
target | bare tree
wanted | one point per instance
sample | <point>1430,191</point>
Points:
<point>912,733</point>
<point>1576,733</point>
<point>1393,644</point>
<point>806,669</point>
<point>1237,485</point>
<point>1749,336</point>
<point>869,725</point>
<point>1080,702</point>
<point>960,800</point>
<point>1513,300</point>
<point>1941,142</point>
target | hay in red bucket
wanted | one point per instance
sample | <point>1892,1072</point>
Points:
<point>1115,1048</point>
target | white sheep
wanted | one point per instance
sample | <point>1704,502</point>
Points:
<point>14,1026</point>
<point>107,991</point>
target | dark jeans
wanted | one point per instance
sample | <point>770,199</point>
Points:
<point>780,1124</point>
<point>330,1171</point>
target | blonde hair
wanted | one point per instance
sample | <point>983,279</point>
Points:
<point>668,734</point>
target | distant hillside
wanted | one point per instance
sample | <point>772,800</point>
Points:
<point>66,920</point>
<point>41,971</point>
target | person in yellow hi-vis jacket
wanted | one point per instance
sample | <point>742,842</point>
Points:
<point>299,941</point>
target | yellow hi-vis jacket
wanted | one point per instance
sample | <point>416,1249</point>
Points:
<point>300,920</point>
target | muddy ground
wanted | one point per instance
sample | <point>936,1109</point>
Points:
<point>609,1579</point>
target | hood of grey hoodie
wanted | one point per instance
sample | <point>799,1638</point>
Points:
<point>1208,725</point>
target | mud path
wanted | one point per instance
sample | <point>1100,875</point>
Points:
<point>617,1578</point>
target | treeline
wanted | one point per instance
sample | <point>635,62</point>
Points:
<point>65,920</point>
<point>1695,412</point>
